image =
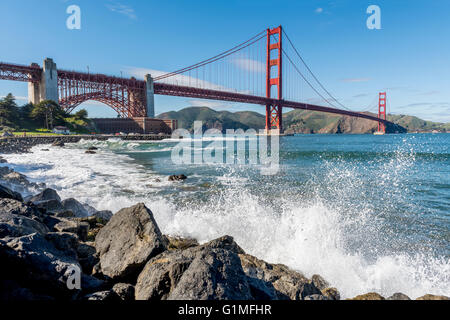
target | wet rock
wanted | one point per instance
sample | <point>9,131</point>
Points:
<point>92,148</point>
<point>369,296</point>
<point>19,208</point>
<point>398,296</point>
<point>6,193</point>
<point>64,242</point>
<point>433,297</point>
<point>319,282</point>
<point>178,177</point>
<point>90,152</point>
<point>227,243</point>
<point>35,263</point>
<point>316,297</point>
<point>12,225</point>
<point>76,207</point>
<point>275,281</point>
<point>124,291</point>
<point>108,295</point>
<point>128,241</point>
<point>197,273</point>
<point>79,228</point>
<point>103,216</point>
<point>47,194</point>
<point>331,293</point>
<point>51,206</point>
<point>181,243</point>
<point>58,144</point>
<point>65,214</point>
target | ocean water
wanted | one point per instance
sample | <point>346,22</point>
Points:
<point>368,213</point>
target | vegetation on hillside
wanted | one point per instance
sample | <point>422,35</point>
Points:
<point>298,121</point>
<point>40,118</point>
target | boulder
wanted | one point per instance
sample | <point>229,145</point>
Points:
<point>76,207</point>
<point>432,297</point>
<point>35,263</point>
<point>108,295</point>
<point>103,216</point>
<point>315,297</point>
<point>47,194</point>
<point>197,273</point>
<point>275,281</point>
<point>177,177</point>
<point>12,225</point>
<point>398,296</point>
<point>64,242</point>
<point>87,256</point>
<point>90,152</point>
<point>175,243</point>
<point>124,291</point>
<point>51,206</point>
<point>368,296</point>
<point>128,241</point>
<point>81,229</point>
<point>19,208</point>
<point>6,193</point>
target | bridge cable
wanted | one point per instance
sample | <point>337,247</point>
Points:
<point>310,71</point>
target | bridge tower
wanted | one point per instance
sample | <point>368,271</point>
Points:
<point>382,111</point>
<point>274,117</point>
<point>47,87</point>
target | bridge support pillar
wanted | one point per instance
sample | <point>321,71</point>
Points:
<point>47,87</point>
<point>150,96</point>
<point>382,112</point>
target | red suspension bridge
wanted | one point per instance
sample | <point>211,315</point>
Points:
<point>265,70</point>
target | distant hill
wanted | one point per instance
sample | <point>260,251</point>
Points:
<point>298,121</point>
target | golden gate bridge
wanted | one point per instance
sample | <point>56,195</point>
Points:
<point>265,70</point>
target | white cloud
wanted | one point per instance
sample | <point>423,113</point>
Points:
<point>122,9</point>
<point>353,80</point>
<point>318,10</point>
<point>250,65</point>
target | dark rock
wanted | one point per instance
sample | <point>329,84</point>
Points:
<point>64,242</point>
<point>398,296</point>
<point>19,208</point>
<point>12,225</point>
<point>7,193</point>
<point>227,243</point>
<point>124,291</point>
<point>79,228</point>
<point>92,148</point>
<point>316,297</point>
<point>52,206</point>
<point>58,144</point>
<point>128,241</point>
<point>65,214</point>
<point>76,207</point>
<point>47,194</point>
<point>368,296</point>
<point>35,263</point>
<point>331,293</point>
<point>319,282</point>
<point>108,295</point>
<point>178,177</point>
<point>433,297</point>
<point>197,273</point>
<point>180,243</point>
<point>90,152</point>
<point>103,216</point>
<point>275,281</point>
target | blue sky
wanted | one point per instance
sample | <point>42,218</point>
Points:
<point>408,57</point>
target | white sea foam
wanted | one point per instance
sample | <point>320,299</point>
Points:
<point>314,237</point>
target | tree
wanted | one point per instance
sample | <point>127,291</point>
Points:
<point>49,113</point>
<point>81,115</point>
<point>9,112</point>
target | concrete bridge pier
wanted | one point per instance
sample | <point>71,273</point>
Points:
<point>150,96</point>
<point>47,87</point>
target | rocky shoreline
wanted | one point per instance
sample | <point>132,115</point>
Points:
<point>24,144</point>
<point>54,249</point>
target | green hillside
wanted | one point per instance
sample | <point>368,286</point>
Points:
<point>298,121</point>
